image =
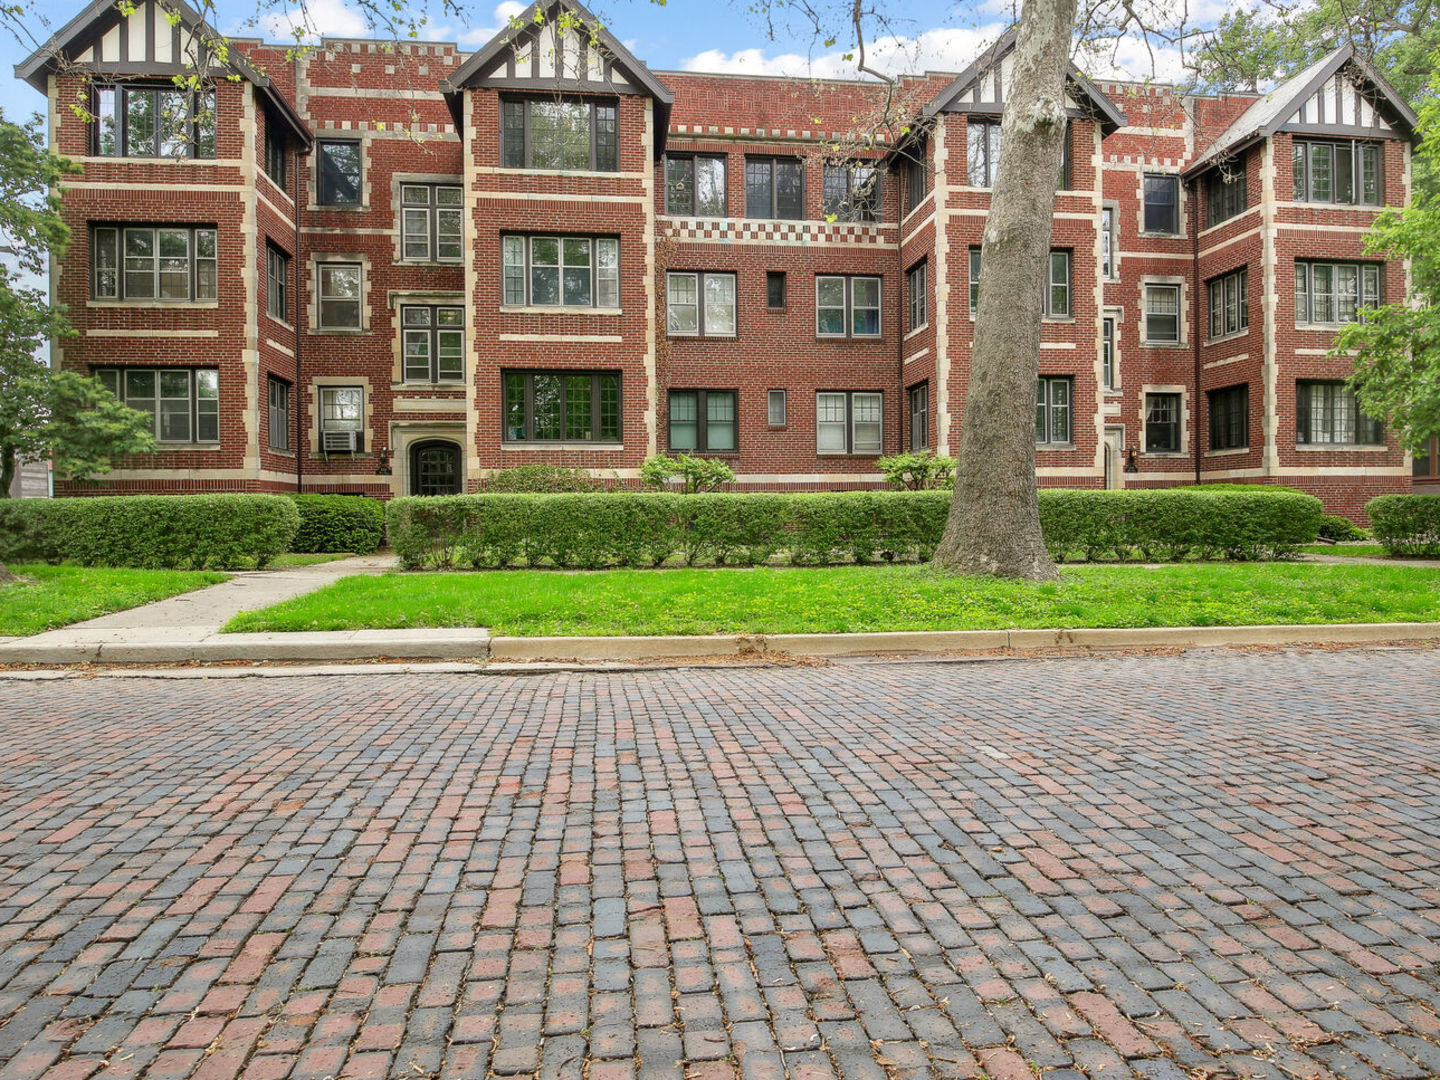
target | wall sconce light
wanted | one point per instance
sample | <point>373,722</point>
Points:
<point>383,467</point>
<point>1130,464</point>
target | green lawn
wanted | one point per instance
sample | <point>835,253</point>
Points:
<point>290,561</point>
<point>62,595</point>
<point>1365,551</point>
<point>866,598</point>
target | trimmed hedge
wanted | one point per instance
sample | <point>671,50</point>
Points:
<point>1406,524</point>
<point>1340,529</point>
<point>336,523</point>
<point>541,480</point>
<point>222,532</point>
<point>629,529</point>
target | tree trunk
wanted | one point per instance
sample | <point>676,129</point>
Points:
<point>7,471</point>
<point>994,523</point>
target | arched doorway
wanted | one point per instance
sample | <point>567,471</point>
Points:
<point>435,468</point>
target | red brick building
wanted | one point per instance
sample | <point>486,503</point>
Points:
<point>394,270</point>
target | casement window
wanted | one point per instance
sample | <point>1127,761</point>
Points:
<point>1423,463</point>
<point>917,179</point>
<point>1230,418</point>
<point>1334,293</point>
<point>982,151</point>
<point>171,264</point>
<point>1225,194</point>
<point>1107,242</point>
<point>1162,203</point>
<point>849,422</point>
<point>152,122</point>
<point>1229,304</point>
<point>1062,183</point>
<point>774,187</point>
<point>699,304</point>
<point>916,297</point>
<point>340,292</point>
<point>847,306</point>
<point>1341,171</point>
<point>433,339</point>
<point>277,414</point>
<point>431,222</point>
<point>1109,376</point>
<point>573,135</point>
<point>1055,302</point>
<point>1162,423</point>
<point>183,404</point>
<point>560,271</point>
<point>703,421</point>
<point>851,192</point>
<point>920,416</point>
<point>275,151</point>
<point>775,290</point>
<point>277,284</point>
<point>338,172</point>
<point>1326,413</point>
<point>562,406</point>
<point>342,419</point>
<point>1162,314</point>
<point>1053,396</point>
<point>775,408</point>
<point>695,186</point>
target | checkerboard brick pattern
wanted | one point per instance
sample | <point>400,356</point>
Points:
<point>1205,866</point>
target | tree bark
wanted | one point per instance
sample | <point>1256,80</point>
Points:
<point>7,471</point>
<point>994,522</point>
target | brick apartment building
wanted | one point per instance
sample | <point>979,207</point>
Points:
<point>395,270</point>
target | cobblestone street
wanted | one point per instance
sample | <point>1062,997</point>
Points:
<point>1214,865</point>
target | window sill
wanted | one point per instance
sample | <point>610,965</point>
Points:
<point>701,337</point>
<point>280,322</point>
<point>1061,319</point>
<point>1113,391</point>
<point>870,339</point>
<point>453,384</point>
<point>1349,448</point>
<point>1238,334</point>
<point>1163,345</point>
<point>326,208</point>
<point>280,451</point>
<point>184,305</point>
<point>1325,327</point>
<point>849,454</point>
<point>512,170</point>
<point>1229,451</point>
<point>1042,447</point>
<point>205,446</point>
<point>1164,454</point>
<point>556,309</point>
<point>774,311</point>
<point>340,331</point>
<point>538,445</point>
<point>433,264</point>
<point>916,330</point>
<point>1163,235</point>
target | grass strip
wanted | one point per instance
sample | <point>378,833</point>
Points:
<point>61,595</point>
<point>770,600</point>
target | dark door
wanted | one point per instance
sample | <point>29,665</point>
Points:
<point>435,468</point>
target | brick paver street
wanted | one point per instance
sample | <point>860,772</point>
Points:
<point>1213,865</point>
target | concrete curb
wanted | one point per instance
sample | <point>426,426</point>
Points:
<point>114,646</point>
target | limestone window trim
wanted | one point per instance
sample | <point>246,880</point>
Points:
<point>398,182</point>
<point>1183,392</point>
<point>312,431</point>
<point>312,173</point>
<point>312,303</point>
<point>1183,314</point>
<point>395,299</point>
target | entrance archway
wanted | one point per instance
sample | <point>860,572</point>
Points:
<point>435,468</point>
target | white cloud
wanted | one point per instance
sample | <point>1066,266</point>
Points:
<point>320,18</point>
<point>943,49</point>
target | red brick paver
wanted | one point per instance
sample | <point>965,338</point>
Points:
<point>1210,865</point>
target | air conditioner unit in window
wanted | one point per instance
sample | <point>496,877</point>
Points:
<point>341,442</point>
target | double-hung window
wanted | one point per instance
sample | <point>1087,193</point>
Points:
<point>1107,243</point>
<point>1109,377</point>
<point>1333,293</point>
<point>847,306</point>
<point>699,304</point>
<point>1230,418</point>
<point>851,192</point>
<point>1344,171</point>
<point>774,187</point>
<point>342,418</point>
<point>277,414</point>
<point>1326,413</point>
<point>275,151</point>
<point>434,342</point>
<point>1052,410</point>
<point>1225,194</point>
<point>775,290</point>
<point>849,422</point>
<point>171,264</point>
<point>152,121</point>
<point>1162,203</point>
<point>1162,314</point>
<point>695,186</point>
<point>340,292</point>
<point>703,421</point>
<point>183,403</point>
<point>776,408</point>
<point>920,416</point>
<point>1229,304</point>
<point>562,406</point>
<point>917,178</point>
<point>1162,423</point>
<point>338,172</point>
<point>982,151</point>
<point>431,216</point>
<point>560,271</point>
<point>1055,301</point>
<point>916,294</point>
<point>573,135</point>
<point>277,284</point>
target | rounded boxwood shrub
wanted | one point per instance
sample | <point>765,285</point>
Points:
<point>336,523</point>
<point>1406,524</point>
<point>1340,529</point>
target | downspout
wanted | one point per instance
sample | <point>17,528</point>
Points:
<point>1195,335</point>
<point>295,290</point>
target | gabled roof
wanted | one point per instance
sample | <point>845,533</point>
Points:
<point>1277,110</point>
<point>1081,89</point>
<point>496,62</point>
<point>87,30</point>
